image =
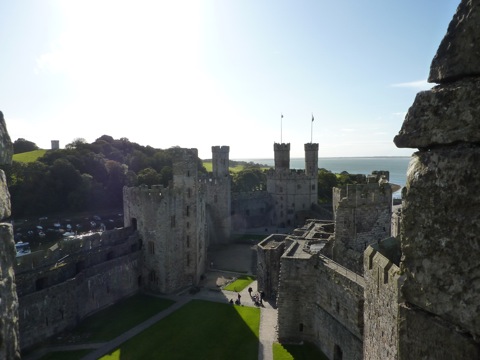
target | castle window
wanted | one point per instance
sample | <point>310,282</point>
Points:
<point>188,173</point>
<point>299,186</point>
<point>172,221</point>
<point>152,276</point>
<point>313,187</point>
<point>151,247</point>
<point>300,327</point>
<point>188,210</point>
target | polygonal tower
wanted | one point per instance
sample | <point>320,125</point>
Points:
<point>219,198</point>
<point>220,160</point>
<point>311,159</point>
<point>282,156</point>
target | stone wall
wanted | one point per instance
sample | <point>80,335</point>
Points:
<point>218,198</point>
<point>172,222</point>
<point>363,214</point>
<point>47,312</point>
<point>381,313</point>
<point>9,338</point>
<point>293,192</point>
<point>269,253</point>
<point>440,228</point>
<point>320,302</point>
<point>251,209</point>
<point>100,269</point>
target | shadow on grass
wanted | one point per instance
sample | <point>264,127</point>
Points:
<point>199,330</point>
<point>115,320</point>
<point>306,351</point>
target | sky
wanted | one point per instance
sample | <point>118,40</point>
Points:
<point>202,73</point>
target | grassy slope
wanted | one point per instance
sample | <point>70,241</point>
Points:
<point>30,156</point>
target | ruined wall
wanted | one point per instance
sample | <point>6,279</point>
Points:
<point>9,338</point>
<point>363,215</point>
<point>320,302</point>
<point>440,228</point>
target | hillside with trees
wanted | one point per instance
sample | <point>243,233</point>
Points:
<point>91,177</point>
<point>85,177</point>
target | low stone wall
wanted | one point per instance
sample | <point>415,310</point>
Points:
<point>47,312</point>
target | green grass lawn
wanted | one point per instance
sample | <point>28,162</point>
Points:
<point>297,352</point>
<point>241,283</point>
<point>29,156</point>
<point>199,330</point>
<point>115,320</point>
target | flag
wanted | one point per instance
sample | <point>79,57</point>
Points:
<point>282,115</point>
<point>313,118</point>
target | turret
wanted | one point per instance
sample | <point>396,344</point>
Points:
<point>220,161</point>
<point>282,156</point>
<point>311,159</point>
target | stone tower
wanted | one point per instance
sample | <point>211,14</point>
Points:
<point>55,144</point>
<point>440,229</point>
<point>293,191</point>
<point>282,156</point>
<point>172,224</point>
<point>220,161</point>
<point>219,198</point>
<point>311,159</point>
<point>9,343</point>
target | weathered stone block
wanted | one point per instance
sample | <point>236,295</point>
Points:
<point>459,52</point>
<point>446,114</point>
<point>6,148</point>
<point>440,234</point>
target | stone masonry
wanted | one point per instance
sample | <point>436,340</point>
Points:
<point>440,222</point>
<point>9,335</point>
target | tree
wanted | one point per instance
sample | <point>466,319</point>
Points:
<point>326,181</point>
<point>149,177</point>
<point>249,179</point>
<point>21,145</point>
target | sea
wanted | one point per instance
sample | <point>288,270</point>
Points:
<point>396,165</point>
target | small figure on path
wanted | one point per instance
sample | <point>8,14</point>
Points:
<point>239,296</point>
<point>262,296</point>
<point>231,301</point>
<point>250,291</point>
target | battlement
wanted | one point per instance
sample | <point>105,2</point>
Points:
<point>361,194</point>
<point>290,174</point>
<point>311,147</point>
<point>221,149</point>
<point>281,146</point>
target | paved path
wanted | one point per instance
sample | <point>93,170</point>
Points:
<point>267,334</point>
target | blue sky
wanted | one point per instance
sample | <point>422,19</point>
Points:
<point>201,73</point>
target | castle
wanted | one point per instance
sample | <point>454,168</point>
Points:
<point>344,285</point>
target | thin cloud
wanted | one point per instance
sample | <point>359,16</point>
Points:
<point>415,85</point>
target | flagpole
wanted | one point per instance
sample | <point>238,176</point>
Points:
<point>311,130</point>
<point>281,124</point>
